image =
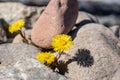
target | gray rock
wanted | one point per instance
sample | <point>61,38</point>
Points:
<point>106,1</point>
<point>109,20</point>
<point>94,56</point>
<point>29,13</point>
<point>35,2</point>
<point>102,1</point>
<point>10,53</point>
<point>9,73</point>
<point>28,69</point>
<point>30,2</point>
<point>107,11</point>
<point>103,6</point>
<point>84,17</point>
<point>100,6</point>
<point>17,62</point>
<point>116,30</point>
<point>116,76</point>
<point>45,2</point>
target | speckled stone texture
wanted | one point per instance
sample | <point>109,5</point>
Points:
<point>17,62</point>
<point>94,56</point>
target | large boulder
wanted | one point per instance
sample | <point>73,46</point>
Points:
<point>58,17</point>
<point>29,69</point>
<point>17,62</point>
<point>94,56</point>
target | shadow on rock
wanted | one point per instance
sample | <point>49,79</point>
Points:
<point>82,57</point>
<point>73,33</point>
<point>4,24</point>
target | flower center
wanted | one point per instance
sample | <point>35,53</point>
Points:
<point>62,42</point>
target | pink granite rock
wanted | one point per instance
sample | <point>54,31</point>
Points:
<point>58,17</point>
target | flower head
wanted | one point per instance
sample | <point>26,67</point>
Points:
<point>62,42</point>
<point>16,26</point>
<point>45,57</point>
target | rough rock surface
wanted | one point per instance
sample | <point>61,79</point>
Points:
<point>94,56</point>
<point>17,62</point>
<point>60,15</point>
<point>28,69</point>
<point>10,11</point>
<point>116,76</point>
<point>84,17</point>
<point>109,20</point>
<point>10,53</point>
<point>116,30</point>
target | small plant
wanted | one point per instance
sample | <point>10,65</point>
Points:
<point>60,43</point>
<point>45,57</point>
<point>17,27</point>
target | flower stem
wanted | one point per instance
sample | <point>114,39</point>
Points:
<point>55,64</point>
<point>58,55</point>
<point>23,36</point>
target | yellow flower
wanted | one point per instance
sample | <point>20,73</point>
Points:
<point>62,42</point>
<point>16,26</point>
<point>45,57</point>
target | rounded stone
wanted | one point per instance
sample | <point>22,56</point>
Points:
<point>94,55</point>
<point>58,17</point>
